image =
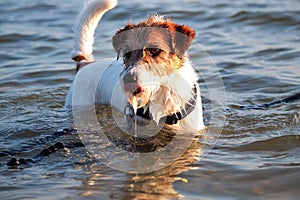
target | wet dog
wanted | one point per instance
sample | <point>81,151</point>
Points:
<point>152,75</point>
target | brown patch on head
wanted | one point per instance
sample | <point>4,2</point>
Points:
<point>135,42</point>
<point>184,36</point>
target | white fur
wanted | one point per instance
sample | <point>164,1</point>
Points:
<point>177,88</point>
<point>98,81</point>
<point>86,24</point>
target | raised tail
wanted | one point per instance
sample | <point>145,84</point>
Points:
<point>85,26</point>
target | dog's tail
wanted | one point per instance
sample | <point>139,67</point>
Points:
<point>85,27</point>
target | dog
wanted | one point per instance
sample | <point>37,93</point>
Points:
<point>151,75</point>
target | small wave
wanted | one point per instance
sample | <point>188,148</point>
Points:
<point>263,18</point>
<point>274,54</point>
<point>19,37</point>
<point>279,144</point>
<point>35,6</point>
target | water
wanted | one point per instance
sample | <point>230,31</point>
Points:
<point>256,47</point>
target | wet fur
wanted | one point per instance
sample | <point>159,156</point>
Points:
<point>167,79</point>
<point>159,75</point>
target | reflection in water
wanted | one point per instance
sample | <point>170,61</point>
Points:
<point>152,185</point>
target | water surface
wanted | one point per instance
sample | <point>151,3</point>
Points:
<point>256,48</point>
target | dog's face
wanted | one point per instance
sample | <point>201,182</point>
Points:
<point>151,50</point>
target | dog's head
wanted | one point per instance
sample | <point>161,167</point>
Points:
<point>152,50</point>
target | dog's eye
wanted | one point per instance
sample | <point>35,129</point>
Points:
<point>127,55</point>
<point>154,51</point>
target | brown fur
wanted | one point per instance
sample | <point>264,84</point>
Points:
<point>153,49</point>
<point>182,35</point>
<point>137,39</point>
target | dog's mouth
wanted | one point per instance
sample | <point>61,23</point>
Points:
<point>136,89</point>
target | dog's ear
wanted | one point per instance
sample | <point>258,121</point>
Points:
<point>183,38</point>
<point>120,37</point>
<point>116,41</point>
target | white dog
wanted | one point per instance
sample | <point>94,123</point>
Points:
<point>152,74</point>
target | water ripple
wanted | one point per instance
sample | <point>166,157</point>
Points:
<point>270,19</point>
<point>255,46</point>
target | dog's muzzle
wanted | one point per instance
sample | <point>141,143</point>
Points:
<point>137,95</point>
<point>130,83</point>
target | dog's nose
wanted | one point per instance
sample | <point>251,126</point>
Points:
<point>133,88</point>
